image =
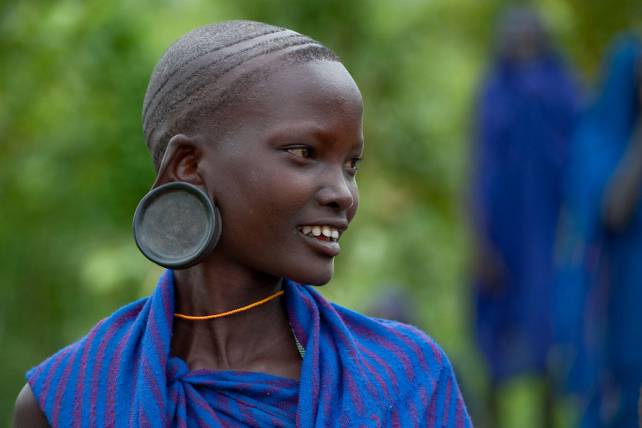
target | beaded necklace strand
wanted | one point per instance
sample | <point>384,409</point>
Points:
<point>299,347</point>
<point>232,312</point>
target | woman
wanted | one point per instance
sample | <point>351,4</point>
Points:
<point>601,273</point>
<point>269,124</point>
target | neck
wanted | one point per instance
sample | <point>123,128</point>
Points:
<point>207,288</point>
<point>258,339</point>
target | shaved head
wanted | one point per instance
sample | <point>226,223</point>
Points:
<point>210,69</point>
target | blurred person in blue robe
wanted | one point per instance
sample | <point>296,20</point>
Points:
<point>526,112</point>
<point>598,311</point>
<point>394,303</point>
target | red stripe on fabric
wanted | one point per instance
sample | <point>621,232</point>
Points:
<point>414,414</point>
<point>61,388</point>
<point>80,382</point>
<point>152,382</point>
<point>395,418</point>
<point>144,419</point>
<point>416,349</point>
<point>447,400</point>
<point>166,301</point>
<point>350,346</point>
<point>157,341</point>
<point>432,408</point>
<point>372,371</point>
<point>397,351</point>
<point>313,344</point>
<point>183,405</point>
<point>460,415</point>
<point>133,409</point>
<point>386,367</point>
<point>113,369</point>
<point>355,393</point>
<point>329,391</point>
<point>197,401</point>
<point>50,373</point>
<point>35,374</point>
<point>435,351</point>
<point>100,355</point>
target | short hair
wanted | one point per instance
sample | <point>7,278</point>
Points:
<point>186,86</point>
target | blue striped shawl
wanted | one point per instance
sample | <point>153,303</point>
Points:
<point>357,371</point>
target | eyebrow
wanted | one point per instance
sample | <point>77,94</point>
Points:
<point>305,129</point>
<point>300,128</point>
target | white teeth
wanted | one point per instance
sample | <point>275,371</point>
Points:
<point>325,230</point>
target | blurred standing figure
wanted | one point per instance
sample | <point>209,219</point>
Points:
<point>393,304</point>
<point>603,245</point>
<point>525,115</point>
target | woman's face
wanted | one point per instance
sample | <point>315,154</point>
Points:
<point>283,173</point>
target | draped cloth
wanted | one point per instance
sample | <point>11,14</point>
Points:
<point>599,314</point>
<point>357,371</point>
<point>526,113</point>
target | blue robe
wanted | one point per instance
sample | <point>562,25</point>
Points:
<point>599,306</point>
<point>357,371</point>
<point>526,114</point>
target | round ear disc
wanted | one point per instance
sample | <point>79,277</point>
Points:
<point>176,225</point>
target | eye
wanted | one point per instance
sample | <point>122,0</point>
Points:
<point>302,152</point>
<point>353,165</point>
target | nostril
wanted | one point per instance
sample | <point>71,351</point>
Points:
<point>334,205</point>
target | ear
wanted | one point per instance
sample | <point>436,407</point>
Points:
<point>180,162</point>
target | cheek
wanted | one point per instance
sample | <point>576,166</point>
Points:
<point>268,199</point>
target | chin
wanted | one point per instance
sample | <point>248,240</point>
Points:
<point>315,277</point>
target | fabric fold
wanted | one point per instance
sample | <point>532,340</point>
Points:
<point>357,371</point>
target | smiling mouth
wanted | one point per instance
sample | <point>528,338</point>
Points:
<point>321,232</point>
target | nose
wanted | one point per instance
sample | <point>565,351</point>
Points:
<point>337,190</point>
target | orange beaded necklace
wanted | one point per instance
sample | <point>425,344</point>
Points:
<point>231,312</point>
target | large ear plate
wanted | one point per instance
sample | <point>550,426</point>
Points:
<point>176,225</point>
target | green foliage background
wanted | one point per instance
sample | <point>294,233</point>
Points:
<point>73,163</point>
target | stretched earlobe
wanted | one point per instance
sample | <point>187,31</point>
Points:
<point>176,225</point>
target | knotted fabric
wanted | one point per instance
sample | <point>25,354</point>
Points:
<point>357,371</point>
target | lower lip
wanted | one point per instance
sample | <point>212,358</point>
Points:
<point>328,248</point>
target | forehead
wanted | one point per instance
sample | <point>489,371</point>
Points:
<point>323,79</point>
<point>320,91</point>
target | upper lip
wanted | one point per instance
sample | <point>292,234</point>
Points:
<point>339,224</point>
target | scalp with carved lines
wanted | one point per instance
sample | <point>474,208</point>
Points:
<point>211,68</point>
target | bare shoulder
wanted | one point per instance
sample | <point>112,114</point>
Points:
<point>27,413</point>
